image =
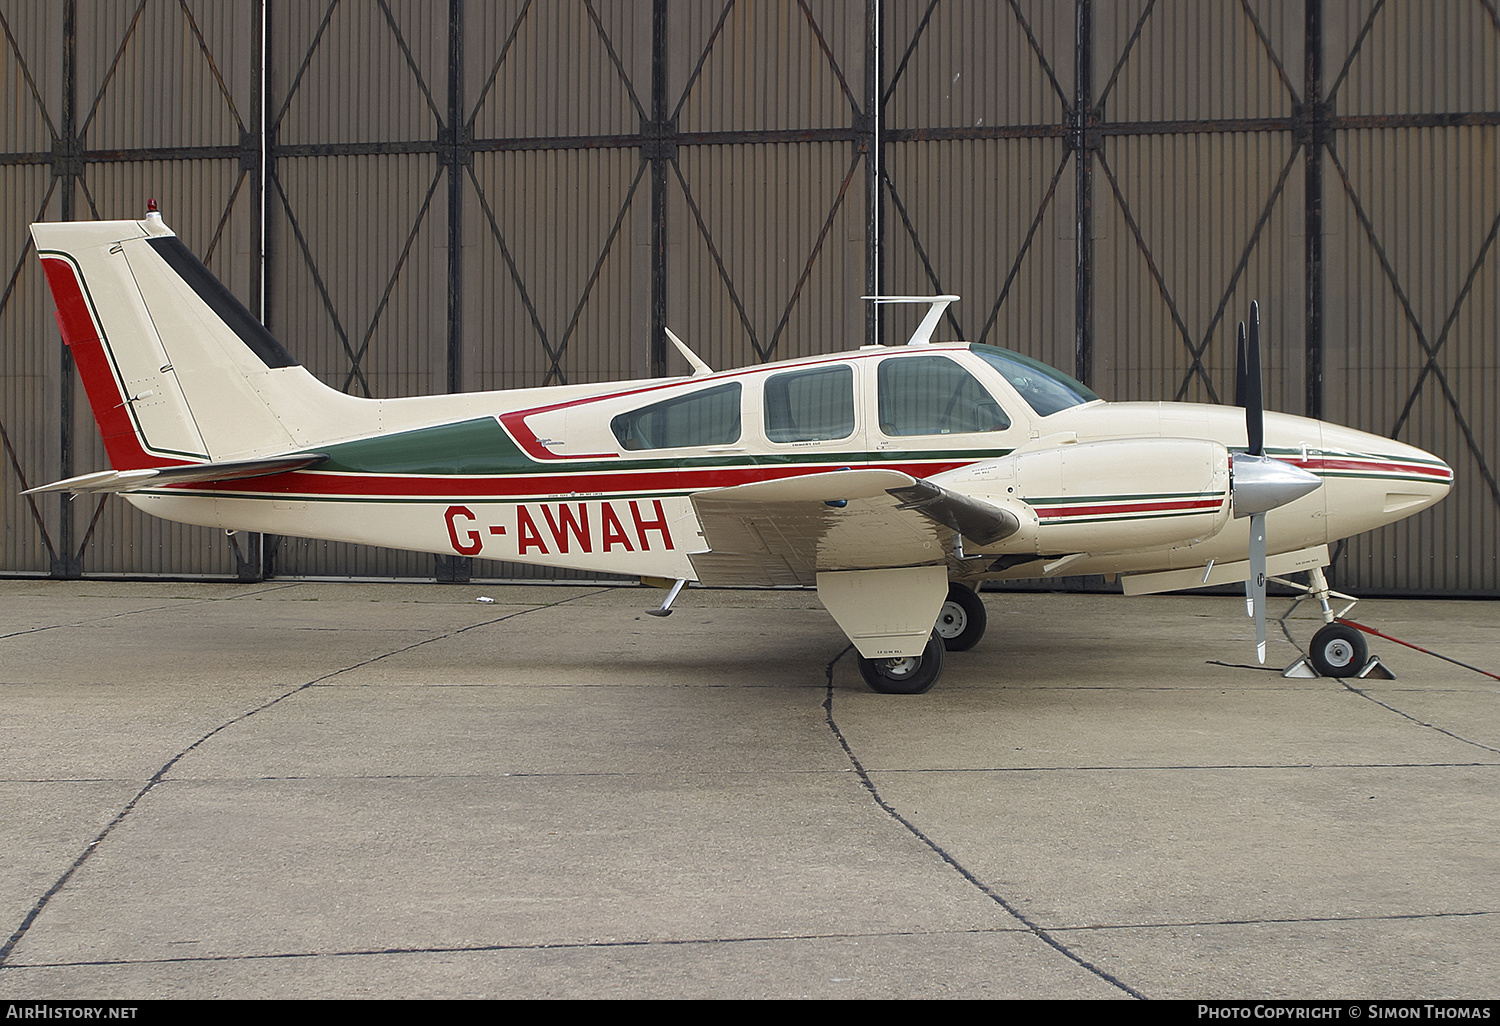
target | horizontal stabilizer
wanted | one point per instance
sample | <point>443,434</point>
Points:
<point>190,473</point>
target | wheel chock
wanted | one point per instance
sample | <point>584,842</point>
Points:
<point>1374,669</point>
<point>1301,668</point>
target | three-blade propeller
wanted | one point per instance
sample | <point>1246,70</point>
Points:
<point>1259,483</point>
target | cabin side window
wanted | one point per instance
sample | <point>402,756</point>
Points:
<point>814,405</point>
<point>933,395</point>
<point>709,417</point>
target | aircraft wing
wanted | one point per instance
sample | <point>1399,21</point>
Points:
<point>190,473</point>
<point>786,531</point>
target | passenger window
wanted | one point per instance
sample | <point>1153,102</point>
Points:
<point>811,405</point>
<point>709,417</point>
<point>933,395</point>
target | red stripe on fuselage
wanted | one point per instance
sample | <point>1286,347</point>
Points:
<point>1374,465</point>
<point>313,483</point>
<point>82,336</point>
<point>1128,506</point>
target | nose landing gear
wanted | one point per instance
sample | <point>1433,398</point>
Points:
<point>1338,650</point>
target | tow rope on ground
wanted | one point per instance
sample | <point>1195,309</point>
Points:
<point>1419,648</point>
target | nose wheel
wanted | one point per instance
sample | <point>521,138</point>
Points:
<point>1338,650</point>
<point>962,619</point>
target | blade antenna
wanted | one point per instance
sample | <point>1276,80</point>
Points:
<point>699,367</point>
<point>923,335</point>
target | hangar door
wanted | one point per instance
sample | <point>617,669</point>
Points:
<point>423,198</point>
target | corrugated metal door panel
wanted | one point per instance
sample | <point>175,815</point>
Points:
<point>160,75</point>
<point>780,66</point>
<point>549,70</point>
<point>1414,57</point>
<point>1181,252</point>
<point>776,219</point>
<point>345,73</point>
<point>986,216</point>
<point>977,64</point>
<point>358,292</point>
<point>1194,61</point>
<point>309,557</point>
<point>1412,268</point>
<point>554,268</point>
<point>29,363</point>
<point>31,79</point>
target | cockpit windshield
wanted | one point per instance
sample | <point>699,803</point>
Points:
<point>1045,389</point>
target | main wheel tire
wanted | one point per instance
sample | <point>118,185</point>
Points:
<point>962,619</point>
<point>1338,650</point>
<point>910,675</point>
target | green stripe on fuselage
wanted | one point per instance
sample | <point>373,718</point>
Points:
<point>478,446</point>
<point>481,447</point>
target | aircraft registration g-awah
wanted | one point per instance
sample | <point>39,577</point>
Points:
<point>895,479</point>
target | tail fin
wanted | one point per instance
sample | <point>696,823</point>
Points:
<point>176,369</point>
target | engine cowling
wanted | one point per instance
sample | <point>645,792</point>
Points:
<point>1107,496</point>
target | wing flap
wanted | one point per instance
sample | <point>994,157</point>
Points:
<point>787,531</point>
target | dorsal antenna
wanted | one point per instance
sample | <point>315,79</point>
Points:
<point>923,335</point>
<point>699,367</point>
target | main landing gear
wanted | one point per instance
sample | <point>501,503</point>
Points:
<point>960,625</point>
<point>962,620</point>
<point>910,675</point>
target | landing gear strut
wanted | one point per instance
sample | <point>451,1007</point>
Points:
<point>1337,649</point>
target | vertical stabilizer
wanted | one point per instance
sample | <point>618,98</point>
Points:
<point>176,369</point>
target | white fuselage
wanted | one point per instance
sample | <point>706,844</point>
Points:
<point>568,492</point>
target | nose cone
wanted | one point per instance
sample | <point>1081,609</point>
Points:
<point>1373,481</point>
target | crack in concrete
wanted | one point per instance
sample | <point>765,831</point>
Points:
<point>1345,683</point>
<point>536,946</point>
<point>157,777</point>
<point>868,784</point>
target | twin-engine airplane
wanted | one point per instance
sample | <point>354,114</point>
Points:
<point>894,479</point>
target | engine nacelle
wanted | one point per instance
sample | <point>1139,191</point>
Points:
<point>1109,496</point>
